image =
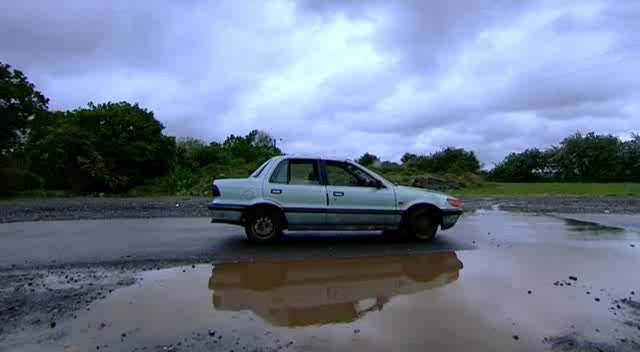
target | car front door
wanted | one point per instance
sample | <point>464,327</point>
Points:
<point>295,185</point>
<point>355,197</point>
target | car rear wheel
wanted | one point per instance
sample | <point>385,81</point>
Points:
<point>263,226</point>
<point>423,224</point>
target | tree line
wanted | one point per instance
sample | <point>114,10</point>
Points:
<point>107,148</point>
<point>579,157</point>
<point>120,148</point>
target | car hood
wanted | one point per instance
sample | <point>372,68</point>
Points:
<point>406,189</point>
<point>412,195</point>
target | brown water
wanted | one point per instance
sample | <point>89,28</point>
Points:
<point>373,304</point>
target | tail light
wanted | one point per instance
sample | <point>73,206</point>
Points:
<point>454,202</point>
<point>215,191</point>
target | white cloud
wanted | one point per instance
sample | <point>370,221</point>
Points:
<point>343,77</point>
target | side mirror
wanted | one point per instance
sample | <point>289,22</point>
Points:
<point>379,184</point>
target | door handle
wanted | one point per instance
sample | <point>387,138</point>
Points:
<point>338,194</point>
<point>276,191</point>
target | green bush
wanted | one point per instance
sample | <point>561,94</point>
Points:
<point>15,181</point>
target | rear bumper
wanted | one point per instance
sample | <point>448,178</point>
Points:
<point>449,218</point>
<point>225,213</point>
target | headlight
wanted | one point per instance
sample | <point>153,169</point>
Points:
<point>454,202</point>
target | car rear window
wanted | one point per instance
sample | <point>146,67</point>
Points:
<point>259,169</point>
<point>280,174</point>
<point>296,172</point>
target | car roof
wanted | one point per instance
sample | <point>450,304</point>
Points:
<point>303,156</point>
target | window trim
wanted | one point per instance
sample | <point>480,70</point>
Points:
<point>260,169</point>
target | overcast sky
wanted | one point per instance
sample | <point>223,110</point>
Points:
<point>341,77</point>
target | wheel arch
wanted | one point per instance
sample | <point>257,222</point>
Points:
<point>406,215</point>
<point>267,206</point>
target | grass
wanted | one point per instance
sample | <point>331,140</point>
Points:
<point>553,189</point>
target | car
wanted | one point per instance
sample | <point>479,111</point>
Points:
<point>300,193</point>
<point>326,291</point>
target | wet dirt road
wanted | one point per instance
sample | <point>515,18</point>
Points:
<point>497,281</point>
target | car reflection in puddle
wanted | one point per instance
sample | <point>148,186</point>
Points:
<point>305,293</point>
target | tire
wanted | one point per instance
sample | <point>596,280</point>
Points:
<point>263,226</point>
<point>423,224</point>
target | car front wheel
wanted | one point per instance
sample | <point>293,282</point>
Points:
<point>263,226</point>
<point>423,224</point>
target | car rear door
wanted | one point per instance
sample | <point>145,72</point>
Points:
<point>295,185</point>
<point>355,199</point>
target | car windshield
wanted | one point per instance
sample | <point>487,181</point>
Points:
<point>259,169</point>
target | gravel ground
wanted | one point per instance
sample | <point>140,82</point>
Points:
<point>40,298</point>
<point>109,208</point>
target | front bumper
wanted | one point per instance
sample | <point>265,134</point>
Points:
<point>449,218</point>
<point>225,213</point>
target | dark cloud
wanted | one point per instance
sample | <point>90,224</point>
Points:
<point>344,76</point>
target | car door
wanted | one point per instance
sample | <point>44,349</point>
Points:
<point>295,185</point>
<point>354,198</point>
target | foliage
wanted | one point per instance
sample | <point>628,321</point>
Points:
<point>582,158</point>
<point>102,148</point>
<point>17,180</point>
<point>630,158</point>
<point>19,103</point>
<point>367,159</point>
<point>449,160</point>
<point>521,167</point>
<point>588,158</point>
<point>257,146</point>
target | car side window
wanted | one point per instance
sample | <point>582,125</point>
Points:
<point>345,174</point>
<point>296,172</point>
<point>281,173</point>
<point>303,172</point>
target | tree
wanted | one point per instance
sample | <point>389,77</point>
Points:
<point>521,167</point>
<point>107,147</point>
<point>631,158</point>
<point>19,103</point>
<point>367,159</point>
<point>590,157</point>
<point>583,158</point>
<point>255,147</point>
<point>407,158</point>
<point>454,160</point>
<point>67,159</point>
<point>194,154</point>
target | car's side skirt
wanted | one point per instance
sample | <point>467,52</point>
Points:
<point>314,210</point>
<point>350,219</point>
<point>341,227</point>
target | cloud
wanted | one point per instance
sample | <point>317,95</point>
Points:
<point>342,77</point>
